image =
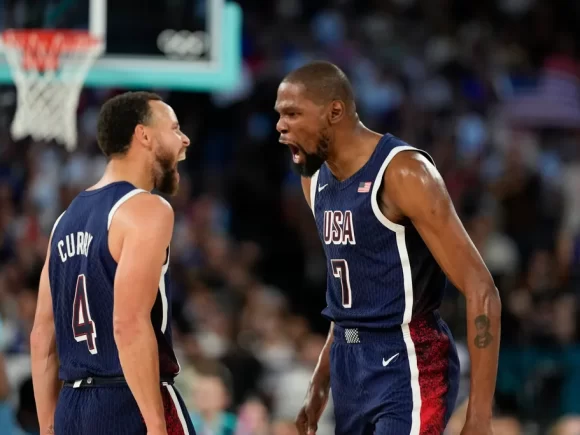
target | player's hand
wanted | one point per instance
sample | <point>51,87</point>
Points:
<point>314,404</point>
<point>477,427</point>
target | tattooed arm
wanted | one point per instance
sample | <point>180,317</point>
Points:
<point>415,190</point>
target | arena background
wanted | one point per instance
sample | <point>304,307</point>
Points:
<point>490,88</point>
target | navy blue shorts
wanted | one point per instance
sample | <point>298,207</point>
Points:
<point>111,409</point>
<point>396,382</point>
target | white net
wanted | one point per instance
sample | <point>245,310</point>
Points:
<point>49,69</point>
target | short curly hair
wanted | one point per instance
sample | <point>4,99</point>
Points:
<point>118,118</point>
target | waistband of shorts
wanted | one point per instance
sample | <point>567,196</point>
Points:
<point>358,335</point>
<point>95,381</point>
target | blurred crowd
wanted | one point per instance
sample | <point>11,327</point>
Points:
<point>491,89</point>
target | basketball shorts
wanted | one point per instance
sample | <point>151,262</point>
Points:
<point>395,382</point>
<point>111,409</point>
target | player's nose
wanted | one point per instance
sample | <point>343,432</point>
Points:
<point>185,140</point>
<point>281,126</point>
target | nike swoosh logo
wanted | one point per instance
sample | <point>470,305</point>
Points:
<point>387,362</point>
<point>321,188</point>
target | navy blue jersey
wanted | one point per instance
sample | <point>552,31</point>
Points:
<point>82,276</point>
<point>380,274</point>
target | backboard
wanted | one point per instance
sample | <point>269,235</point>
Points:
<point>172,44</point>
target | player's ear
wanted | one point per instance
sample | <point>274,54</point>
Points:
<point>143,136</point>
<point>336,112</point>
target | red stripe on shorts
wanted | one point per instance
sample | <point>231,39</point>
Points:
<point>174,425</point>
<point>432,349</point>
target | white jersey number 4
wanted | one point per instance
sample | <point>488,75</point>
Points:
<point>82,323</point>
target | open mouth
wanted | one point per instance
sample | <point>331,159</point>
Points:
<point>294,150</point>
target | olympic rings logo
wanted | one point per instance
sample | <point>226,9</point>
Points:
<point>183,43</point>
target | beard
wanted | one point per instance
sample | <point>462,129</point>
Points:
<point>313,161</point>
<point>165,174</point>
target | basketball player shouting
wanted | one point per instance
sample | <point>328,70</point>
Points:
<point>103,320</point>
<point>392,238</point>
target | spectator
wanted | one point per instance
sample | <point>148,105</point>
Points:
<point>212,398</point>
<point>489,88</point>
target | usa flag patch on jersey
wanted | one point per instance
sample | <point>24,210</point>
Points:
<point>364,187</point>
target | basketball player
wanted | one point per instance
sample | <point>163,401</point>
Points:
<point>103,321</point>
<point>391,235</point>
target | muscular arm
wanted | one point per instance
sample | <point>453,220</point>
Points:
<point>44,359</point>
<point>414,188</point>
<point>144,226</point>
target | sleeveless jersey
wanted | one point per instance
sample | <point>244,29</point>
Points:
<point>380,274</point>
<point>82,275</point>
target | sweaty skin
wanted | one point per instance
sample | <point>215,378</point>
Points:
<point>319,124</point>
<point>414,191</point>
<point>138,238</point>
<point>139,235</point>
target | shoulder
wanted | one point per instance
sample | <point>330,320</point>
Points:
<point>414,187</point>
<point>147,205</point>
<point>411,166</point>
<point>401,159</point>
<point>145,209</point>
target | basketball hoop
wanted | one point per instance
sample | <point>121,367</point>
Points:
<point>49,68</point>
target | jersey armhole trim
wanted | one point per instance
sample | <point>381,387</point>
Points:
<point>397,228</point>
<point>313,183</point>
<point>120,202</point>
<point>56,223</point>
<point>163,292</point>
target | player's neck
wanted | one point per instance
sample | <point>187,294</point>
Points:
<point>128,170</point>
<point>351,150</point>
